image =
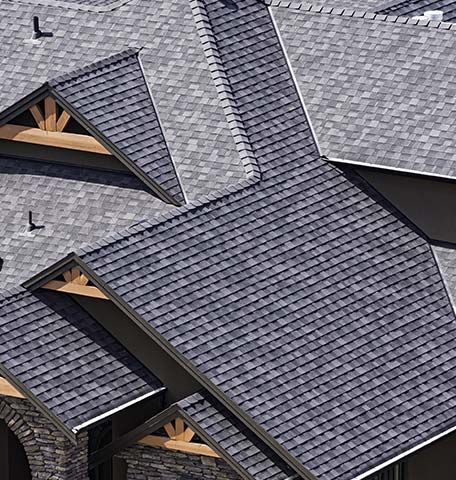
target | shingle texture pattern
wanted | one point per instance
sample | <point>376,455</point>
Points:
<point>377,92</point>
<point>235,439</point>
<point>66,359</point>
<point>91,5</point>
<point>412,8</point>
<point>446,258</point>
<point>304,298</point>
<point>175,67</point>
<point>71,205</point>
<point>112,95</point>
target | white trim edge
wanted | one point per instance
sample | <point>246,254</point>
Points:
<point>392,169</point>
<point>294,79</point>
<point>115,410</point>
<point>405,454</point>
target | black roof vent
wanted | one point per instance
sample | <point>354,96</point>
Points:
<point>37,33</point>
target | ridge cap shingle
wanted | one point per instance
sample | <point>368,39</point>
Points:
<point>93,66</point>
<point>307,7</point>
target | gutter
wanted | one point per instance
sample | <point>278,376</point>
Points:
<point>405,454</point>
<point>84,425</point>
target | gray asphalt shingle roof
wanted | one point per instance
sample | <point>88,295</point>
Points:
<point>235,439</point>
<point>412,8</point>
<point>75,205</point>
<point>306,299</point>
<point>71,364</point>
<point>112,95</point>
<point>446,259</point>
<point>175,68</point>
<point>187,113</point>
<point>377,91</point>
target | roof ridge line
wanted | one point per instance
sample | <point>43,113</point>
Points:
<point>224,90</point>
<point>162,218</point>
<point>304,6</point>
<point>114,5</point>
<point>103,62</point>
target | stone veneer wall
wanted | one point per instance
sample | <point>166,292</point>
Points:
<point>50,454</point>
<point>154,463</point>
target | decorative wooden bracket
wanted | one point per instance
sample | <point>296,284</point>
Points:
<point>74,281</point>
<point>179,438</point>
<point>8,390</point>
<point>50,131</point>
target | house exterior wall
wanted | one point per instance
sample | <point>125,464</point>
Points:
<point>154,463</point>
<point>50,454</point>
<point>429,203</point>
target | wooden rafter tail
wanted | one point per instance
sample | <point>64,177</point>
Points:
<point>50,113</point>
<point>38,116</point>
<point>8,390</point>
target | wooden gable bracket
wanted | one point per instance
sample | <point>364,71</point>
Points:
<point>179,438</point>
<point>75,282</point>
<point>50,131</point>
<point>8,390</point>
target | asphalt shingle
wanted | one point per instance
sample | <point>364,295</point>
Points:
<point>71,205</point>
<point>66,359</point>
<point>305,298</point>
<point>411,8</point>
<point>235,439</point>
<point>377,92</point>
<point>112,95</point>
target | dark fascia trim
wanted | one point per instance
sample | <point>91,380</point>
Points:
<point>215,446</point>
<point>152,184</point>
<point>39,405</point>
<point>23,104</point>
<point>41,278</point>
<point>40,93</point>
<point>119,444</point>
<point>74,259</point>
<point>51,272</point>
<point>154,423</point>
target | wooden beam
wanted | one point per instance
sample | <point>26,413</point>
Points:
<point>179,429</point>
<point>50,113</point>
<point>169,429</point>
<point>8,390</point>
<point>38,116</point>
<point>188,435</point>
<point>187,447</point>
<point>76,289</point>
<point>71,141</point>
<point>62,121</point>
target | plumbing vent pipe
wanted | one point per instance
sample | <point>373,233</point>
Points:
<point>37,33</point>
<point>434,15</point>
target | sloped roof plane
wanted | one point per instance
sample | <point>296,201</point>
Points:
<point>112,100</point>
<point>378,89</point>
<point>287,282</point>
<point>66,361</point>
<point>175,66</point>
<point>113,96</point>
